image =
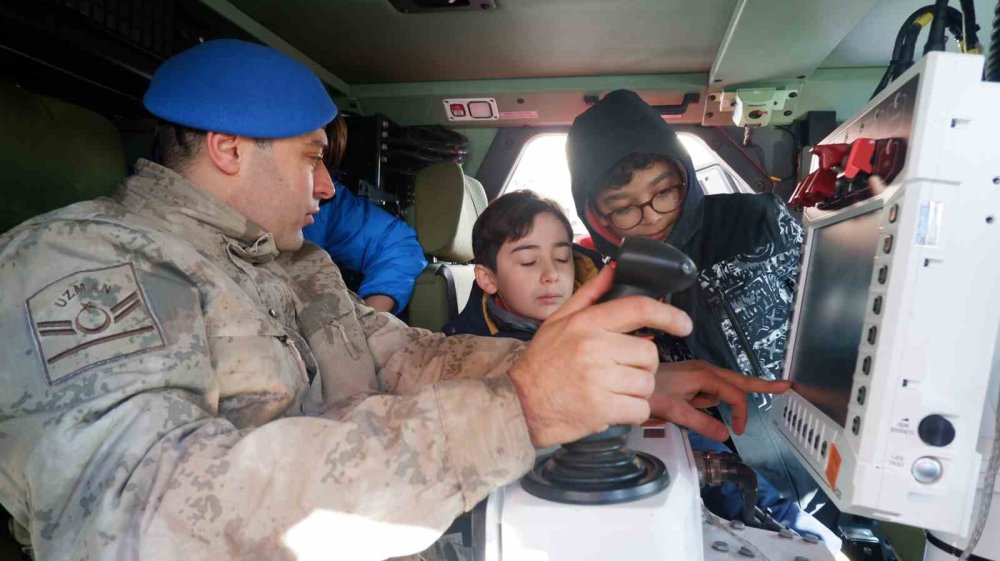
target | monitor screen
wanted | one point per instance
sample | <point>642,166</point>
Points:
<point>831,313</point>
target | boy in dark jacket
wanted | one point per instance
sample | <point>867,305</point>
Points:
<point>632,177</point>
<point>526,266</point>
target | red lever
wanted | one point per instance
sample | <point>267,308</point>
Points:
<point>860,158</point>
<point>815,188</point>
<point>830,155</point>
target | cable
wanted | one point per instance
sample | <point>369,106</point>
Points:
<point>992,70</point>
<point>915,20</point>
<point>753,161</point>
<point>906,39</point>
<point>972,44</point>
<point>935,41</point>
<point>989,481</point>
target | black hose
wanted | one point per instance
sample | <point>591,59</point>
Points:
<point>993,62</point>
<point>935,41</point>
<point>971,27</point>
<point>906,41</point>
<point>892,70</point>
<point>953,22</point>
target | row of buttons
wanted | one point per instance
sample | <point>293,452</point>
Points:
<point>797,424</point>
<point>882,276</point>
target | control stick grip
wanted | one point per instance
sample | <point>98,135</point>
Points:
<point>650,268</point>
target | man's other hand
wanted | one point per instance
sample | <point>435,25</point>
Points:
<point>684,387</point>
<point>582,372</point>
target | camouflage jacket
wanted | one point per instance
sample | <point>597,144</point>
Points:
<point>174,388</point>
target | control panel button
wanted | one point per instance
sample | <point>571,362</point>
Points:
<point>926,469</point>
<point>935,430</point>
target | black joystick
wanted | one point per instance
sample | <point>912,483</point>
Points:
<point>599,469</point>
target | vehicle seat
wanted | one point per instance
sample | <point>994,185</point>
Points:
<point>53,153</point>
<point>446,205</point>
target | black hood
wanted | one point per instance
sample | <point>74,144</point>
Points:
<point>619,125</point>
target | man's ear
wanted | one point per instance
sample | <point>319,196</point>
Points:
<point>486,279</point>
<point>225,151</point>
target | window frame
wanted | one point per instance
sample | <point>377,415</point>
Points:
<point>508,143</point>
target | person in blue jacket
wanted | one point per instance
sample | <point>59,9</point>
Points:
<point>362,237</point>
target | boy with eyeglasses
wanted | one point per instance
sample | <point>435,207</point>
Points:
<point>632,177</point>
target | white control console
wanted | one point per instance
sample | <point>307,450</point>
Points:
<point>522,527</point>
<point>896,315</point>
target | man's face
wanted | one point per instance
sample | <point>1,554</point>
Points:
<point>662,181</point>
<point>284,184</point>
<point>534,274</point>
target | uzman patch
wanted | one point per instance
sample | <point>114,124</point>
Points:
<point>90,318</point>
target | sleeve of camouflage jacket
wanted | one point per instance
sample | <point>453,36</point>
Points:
<point>127,457</point>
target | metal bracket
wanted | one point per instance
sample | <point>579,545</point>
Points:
<point>751,106</point>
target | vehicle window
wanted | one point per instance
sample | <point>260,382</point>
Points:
<point>541,167</point>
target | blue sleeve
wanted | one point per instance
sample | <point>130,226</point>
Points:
<point>362,237</point>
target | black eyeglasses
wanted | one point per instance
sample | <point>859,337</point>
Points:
<point>664,201</point>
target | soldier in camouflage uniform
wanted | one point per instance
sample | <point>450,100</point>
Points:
<point>183,378</point>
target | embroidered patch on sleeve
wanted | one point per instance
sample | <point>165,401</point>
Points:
<point>90,318</point>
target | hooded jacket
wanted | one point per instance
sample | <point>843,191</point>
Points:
<point>747,249</point>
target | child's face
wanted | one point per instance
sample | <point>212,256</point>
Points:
<point>534,274</point>
<point>660,184</point>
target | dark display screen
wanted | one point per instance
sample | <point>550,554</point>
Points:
<point>831,313</point>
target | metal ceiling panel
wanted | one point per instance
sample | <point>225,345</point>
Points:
<point>778,40</point>
<point>227,10</point>
<point>368,41</point>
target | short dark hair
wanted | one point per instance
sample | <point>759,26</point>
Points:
<point>337,132</point>
<point>175,146</point>
<point>621,173</point>
<point>510,217</point>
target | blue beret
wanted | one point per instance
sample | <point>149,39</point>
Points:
<point>240,88</point>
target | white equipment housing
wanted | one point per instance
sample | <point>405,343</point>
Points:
<point>522,527</point>
<point>896,315</point>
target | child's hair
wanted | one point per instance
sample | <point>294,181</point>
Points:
<point>621,173</point>
<point>510,217</point>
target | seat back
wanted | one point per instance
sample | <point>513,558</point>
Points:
<point>446,206</point>
<point>52,154</point>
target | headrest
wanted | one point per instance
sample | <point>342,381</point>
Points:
<point>240,88</point>
<point>52,154</point>
<point>446,206</point>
